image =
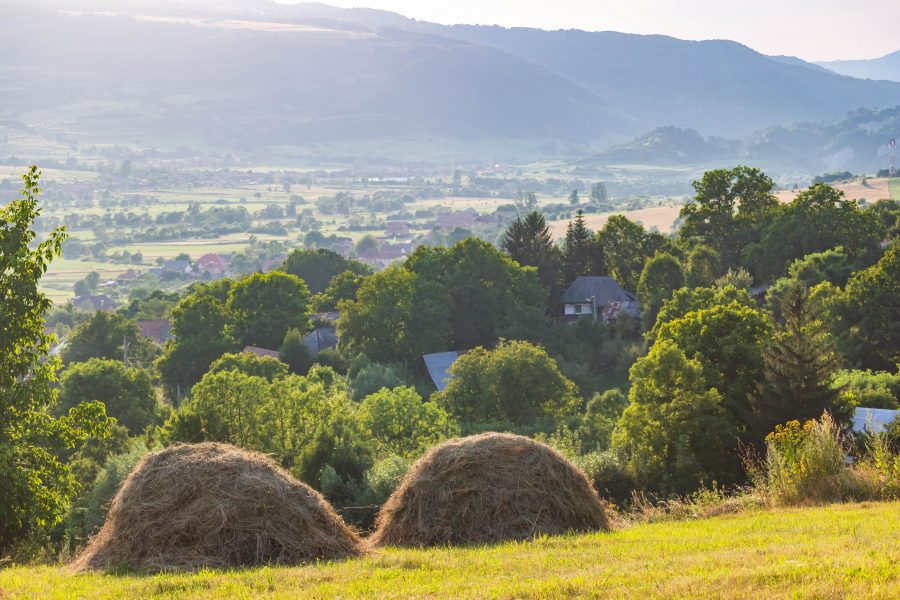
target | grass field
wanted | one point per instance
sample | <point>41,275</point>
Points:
<point>895,189</point>
<point>831,552</point>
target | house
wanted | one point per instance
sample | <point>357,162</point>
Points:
<point>99,302</point>
<point>873,420</point>
<point>396,229</point>
<point>177,266</point>
<point>160,331</point>
<point>129,275</point>
<point>438,366</point>
<point>599,297</point>
<point>321,338</point>
<point>215,265</point>
<point>260,352</point>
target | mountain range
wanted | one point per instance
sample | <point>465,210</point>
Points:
<point>245,74</point>
<point>886,67</point>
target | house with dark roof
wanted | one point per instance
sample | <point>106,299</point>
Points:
<point>99,302</point>
<point>598,297</point>
<point>259,352</point>
<point>177,266</point>
<point>321,338</point>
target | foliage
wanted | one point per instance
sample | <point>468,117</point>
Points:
<point>318,268</point>
<point>402,424</point>
<point>871,313</point>
<point>126,392</point>
<point>247,363</point>
<point>294,352</point>
<point>688,300</point>
<point>528,241</point>
<point>602,413</point>
<point>675,434</point>
<point>367,377</point>
<point>578,252</point>
<point>104,335</point>
<point>343,286</point>
<point>37,486</point>
<point>871,389</point>
<point>264,306</point>
<point>662,275</point>
<point>703,266</point>
<point>738,278</point>
<point>516,383</point>
<point>625,246</point>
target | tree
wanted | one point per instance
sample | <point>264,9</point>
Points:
<point>727,342</point>
<point>688,300</point>
<point>402,423</point>
<point>367,243</point>
<point>525,202</point>
<point>342,286</point>
<point>662,275</point>
<point>871,313</point>
<point>703,264</point>
<point>294,352</point>
<point>729,211</point>
<point>37,486</point>
<point>573,198</point>
<point>516,384</point>
<point>319,267</point>
<point>266,367</point>
<point>578,253</point>
<point>264,306</point>
<point>624,247</point>
<point>529,242</point>
<point>738,278</point>
<point>126,392</point>
<point>674,435</point>
<point>599,195</point>
<point>800,362</point>
<point>105,335</point>
<point>87,285</point>
<point>601,415</point>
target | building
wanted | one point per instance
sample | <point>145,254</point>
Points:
<point>160,331</point>
<point>438,366</point>
<point>215,265</point>
<point>99,302</point>
<point>321,338</point>
<point>260,352</point>
<point>177,266</point>
<point>598,297</point>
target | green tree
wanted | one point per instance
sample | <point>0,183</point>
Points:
<point>342,286</point>
<point>674,435</point>
<point>662,275</point>
<point>529,242</point>
<point>599,195</point>
<point>624,246</point>
<point>402,423</point>
<point>264,306</point>
<point>105,335</point>
<point>126,392</point>
<point>602,413</point>
<point>36,485</point>
<point>294,352</point>
<point>365,244</point>
<point>578,253</point>
<point>870,313</point>
<point>525,202</point>
<point>800,362</point>
<point>688,300</point>
<point>319,267</point>
<point>517,384</point>
<point>729,211</point>
<point>87,285</point>
<point>266,367</point>
<point>703,264</point>
<point>573,198</point>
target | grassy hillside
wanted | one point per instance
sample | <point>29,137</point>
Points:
<point>830,552</point>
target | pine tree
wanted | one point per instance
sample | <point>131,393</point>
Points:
<point>529,242</point>
<point>578,250</point>
<point>800,362</point>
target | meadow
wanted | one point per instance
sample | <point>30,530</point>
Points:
<point>835,551</point>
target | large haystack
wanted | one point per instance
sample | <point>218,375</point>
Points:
<point>215,505</point>
<point>488,488</point>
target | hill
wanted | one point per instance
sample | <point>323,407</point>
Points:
<point>886,67</point>
<point>829,552</point>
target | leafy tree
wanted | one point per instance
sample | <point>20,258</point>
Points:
<point>402,424</point>
<point>105,335</point>
<point>601,415</point>
<point>800,362</point>
<point>525,202</point>
<point>155,305</point>
<point>517,383</point>
<point>266,367</point>
<point>529,242</point>
<point>87,285</point>
<point>662,275</point>
<point>343,286</point>
<point>870,313</point>
<point>688,300</point>
<point>367,377</point>
<point>674,435</point>
<point>36,485</point>
<point>573,198</point>
<point>727,342</point>
<point>578,252</point>
<point>294,352</point>
<point>729,211</point>
<point>624,247</point>
<point>319,267</point>
<point>703,264</point>
<point>738,278</point>
<point>264,306</point>
<point>599,195</point>
<point>365,244</point>
<point>126,392</point>
<point>833,265</point>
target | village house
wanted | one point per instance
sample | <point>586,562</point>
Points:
<point>598,297</point>
<point>98,302</point>
<point>215,265</point>
<point>262,352</point>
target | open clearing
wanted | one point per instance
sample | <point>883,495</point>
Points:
<point>829,552</point>
<point>661,218</point>
<point>873,190</point>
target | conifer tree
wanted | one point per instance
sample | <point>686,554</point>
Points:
<point>578,250</point>
<point>528,241</point>
<point>800,361</point>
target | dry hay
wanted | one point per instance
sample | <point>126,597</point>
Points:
<point>488,488</point>
<point>215,505</point>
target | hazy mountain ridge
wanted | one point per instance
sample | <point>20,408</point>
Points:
<point>886,67</point>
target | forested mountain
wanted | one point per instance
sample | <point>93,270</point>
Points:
<point>886,67</point>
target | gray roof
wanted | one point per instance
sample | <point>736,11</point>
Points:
<point>604,289</point>
<point>320,339</point>
<point>438,366</point>
<point>873,420</point>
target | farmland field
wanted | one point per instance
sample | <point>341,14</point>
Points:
<point>829,552</point>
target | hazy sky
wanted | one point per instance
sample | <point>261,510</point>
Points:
<point>810,29</point>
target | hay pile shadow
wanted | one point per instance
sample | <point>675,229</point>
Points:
<point>215,505</point>
<point>488,488</point>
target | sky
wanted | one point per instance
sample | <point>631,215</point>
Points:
<point>811,29</point>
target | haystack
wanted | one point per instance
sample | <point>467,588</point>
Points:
<point>488,488</point>
<point>215,505</point>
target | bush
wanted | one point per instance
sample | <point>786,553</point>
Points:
<point>806,464</point>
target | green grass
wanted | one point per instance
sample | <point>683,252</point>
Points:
<point>895,188</point>
<point>831,552</point>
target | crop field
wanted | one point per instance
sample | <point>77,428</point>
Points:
<point>841,551</point>
<point>895,189</point>
<point>661,218</point>
<point>872,190</point>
